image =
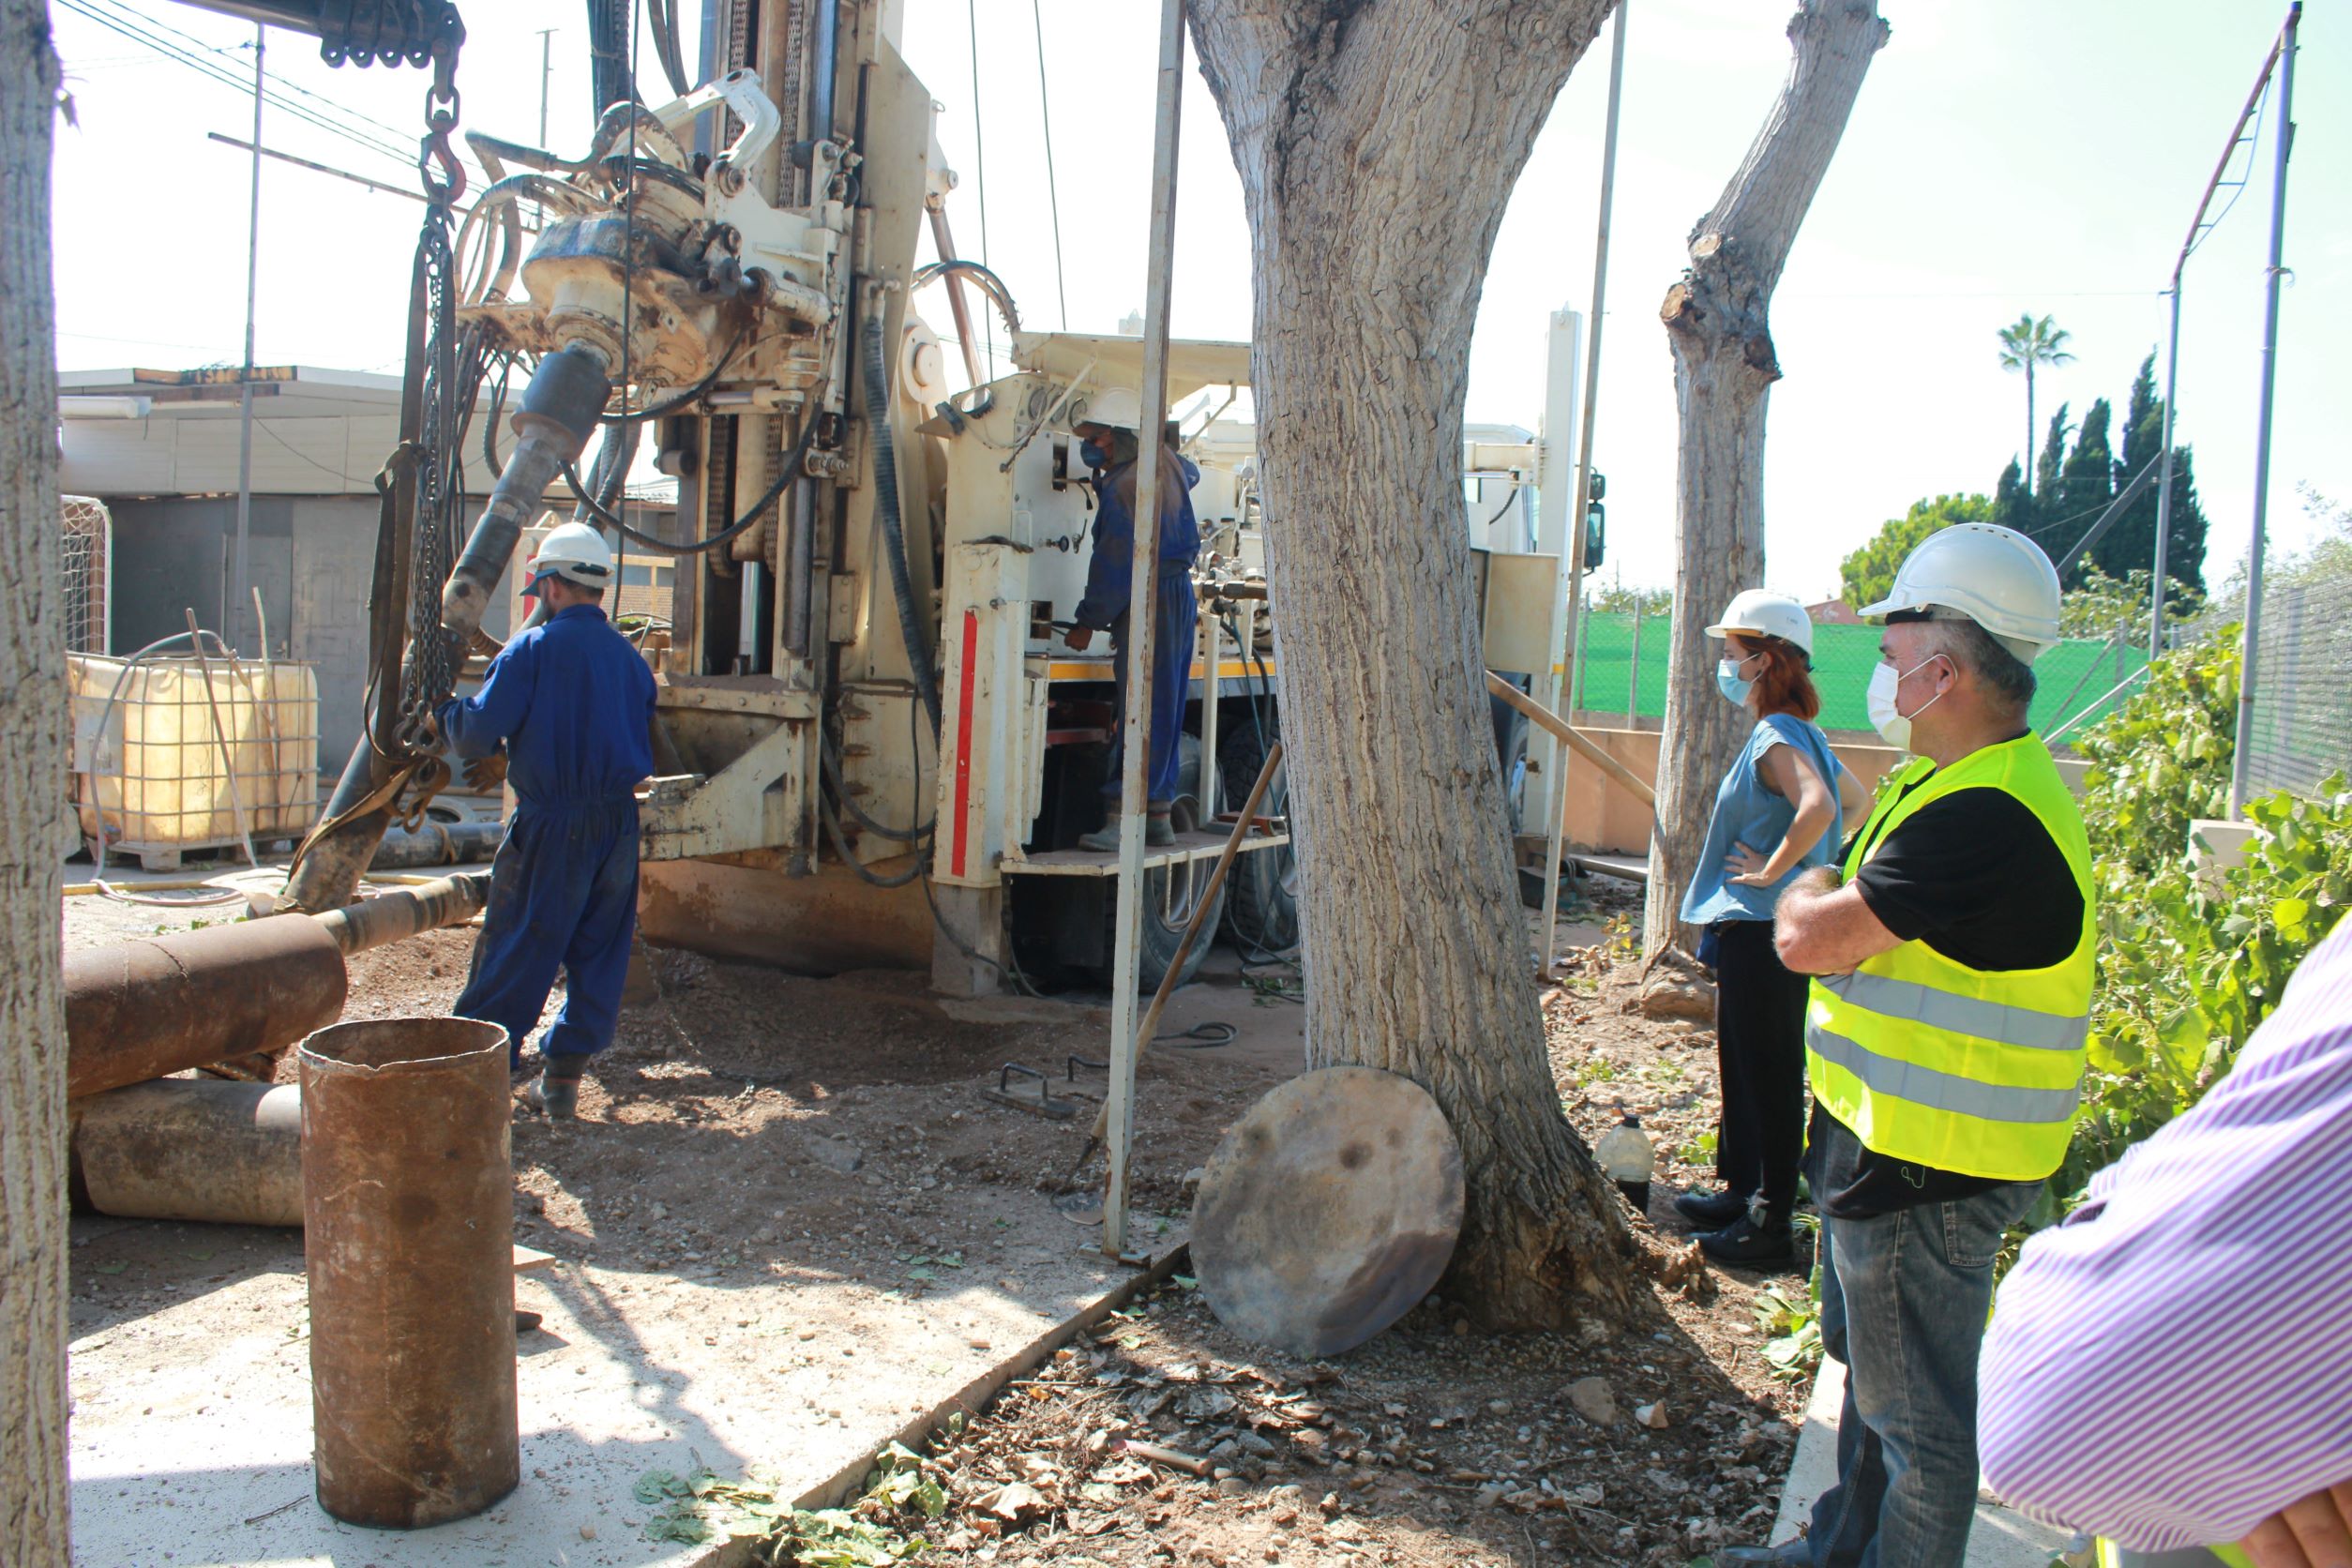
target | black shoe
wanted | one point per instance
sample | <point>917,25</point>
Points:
<point>1712,1210</point>
<point>1788,1554</point>
<point>1752,1245</point>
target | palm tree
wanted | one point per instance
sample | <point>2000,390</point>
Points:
<point>2030,343</point>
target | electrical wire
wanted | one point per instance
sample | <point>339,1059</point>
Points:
<point>1053,189</point>
<point>980,155</point>
<point>202,59</point>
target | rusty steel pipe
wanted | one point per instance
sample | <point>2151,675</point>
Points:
<point>191,1148</point>
<point>396,916</point>
<point>162,1005</point>
<point>408,1206</point>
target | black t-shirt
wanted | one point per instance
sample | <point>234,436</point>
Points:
<point>1977,879</point>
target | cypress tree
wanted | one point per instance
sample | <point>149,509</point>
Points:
<point>2085,483</point>
<point>2012,503</point>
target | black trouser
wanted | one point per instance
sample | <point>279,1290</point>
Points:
<point>1760,1045</point>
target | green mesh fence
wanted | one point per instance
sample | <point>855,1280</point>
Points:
<point>1623,671</point>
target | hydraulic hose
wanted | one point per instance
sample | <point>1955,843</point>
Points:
<point>894,532</point>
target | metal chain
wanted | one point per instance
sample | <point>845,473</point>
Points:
<point>454,366</point>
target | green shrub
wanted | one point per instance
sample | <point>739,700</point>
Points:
<point>2187,970</point>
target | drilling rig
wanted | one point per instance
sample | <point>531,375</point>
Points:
<point>872,750</point>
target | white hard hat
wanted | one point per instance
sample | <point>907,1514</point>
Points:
<point>574,552</point>
<point>1984,573</point>
<point>1119,407</point>
<point>1755,612</point>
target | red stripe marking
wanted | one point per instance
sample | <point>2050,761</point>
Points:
<point>963,739</point>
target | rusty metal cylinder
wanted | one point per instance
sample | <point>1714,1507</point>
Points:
<point>162,1005</point>
<point>195,1149</point>
<point>409,1206</point>
<point>396,915</point>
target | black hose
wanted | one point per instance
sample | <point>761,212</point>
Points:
<point>605,514</point>
<point>841,792</point>
<point>894,535</point>
<point>849,856</point>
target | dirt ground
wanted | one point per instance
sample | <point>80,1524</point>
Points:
<point>820,1219</point>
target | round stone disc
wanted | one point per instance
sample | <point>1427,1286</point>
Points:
<point>1330,1208</point>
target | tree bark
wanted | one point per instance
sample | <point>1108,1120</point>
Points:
<point>1723,369</point>
<point>1377,143</point>
<point>33,1516</point>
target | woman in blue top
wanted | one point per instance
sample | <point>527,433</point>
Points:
<point>1773,819</point>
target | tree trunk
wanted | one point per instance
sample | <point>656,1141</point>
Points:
<point>33,1514</point>
<point>1723,369</point>
<point>2025,464</point>
<point>1377,145</point>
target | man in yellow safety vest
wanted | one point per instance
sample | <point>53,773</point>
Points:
<point>1944,1038</point>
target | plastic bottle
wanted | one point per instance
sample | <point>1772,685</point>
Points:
<point>1627,1159</point>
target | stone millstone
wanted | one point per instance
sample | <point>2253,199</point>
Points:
<point>1330,1208</point>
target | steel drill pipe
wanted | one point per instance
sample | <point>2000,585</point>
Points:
<point>559,410</point>
<point>191,1148</point>
<point>408,1211</point>
<point>396,916</point>
<point>162,1005</point>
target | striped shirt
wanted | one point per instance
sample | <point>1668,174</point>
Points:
<point>2174,1363</point>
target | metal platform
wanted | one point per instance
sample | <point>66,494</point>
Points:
<point>1104,863</point>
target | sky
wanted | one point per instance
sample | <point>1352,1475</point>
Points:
<point>2006,157</point>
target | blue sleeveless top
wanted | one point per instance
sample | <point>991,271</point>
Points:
<point>1747,812</point>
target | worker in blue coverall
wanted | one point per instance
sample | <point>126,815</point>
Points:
<point>572,704</point>
<point>1110,448</point>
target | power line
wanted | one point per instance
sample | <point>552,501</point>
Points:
<point>1053,187</point>
<point>204,60</point>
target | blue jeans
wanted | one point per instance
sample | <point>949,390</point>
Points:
<point>1904,1299</point>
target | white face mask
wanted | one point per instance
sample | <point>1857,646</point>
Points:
<point>1894,727</point>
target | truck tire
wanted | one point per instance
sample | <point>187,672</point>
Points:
<point>1261,905</point>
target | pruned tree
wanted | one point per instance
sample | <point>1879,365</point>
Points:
<point>33,1517</point>
<point>1378,141</point>
<point>1716,321</point>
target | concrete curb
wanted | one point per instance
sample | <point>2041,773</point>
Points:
<point>2001,1539</point>
<point>972,1399</point>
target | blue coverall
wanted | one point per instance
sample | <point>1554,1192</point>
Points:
<point>573,703</point>
<point>1110,586</point>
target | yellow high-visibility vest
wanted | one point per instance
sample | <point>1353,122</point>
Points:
<point>1932,1063</point>
<point>2113,1556</point>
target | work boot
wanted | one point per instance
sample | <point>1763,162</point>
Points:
<point>1750,1244</point>
<point>1159,832</point>
<point>1712,1210</point>
<point>555,1092</point>
<point>557,1099</point>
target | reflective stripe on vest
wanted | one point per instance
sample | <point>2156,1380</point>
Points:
<point>2113,1556</point>
<point>1930,1062</point>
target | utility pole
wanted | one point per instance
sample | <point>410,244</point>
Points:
<point>2282,142</point>
<point>232,618</point>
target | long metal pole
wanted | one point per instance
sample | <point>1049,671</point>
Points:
<point>1581,503</point>
<point>241,567</point>
<point>1142,603</point>
<point>547,70</point>
<point>2282,139</point>
<point>2172,365</point>
<point>2163,481</point>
